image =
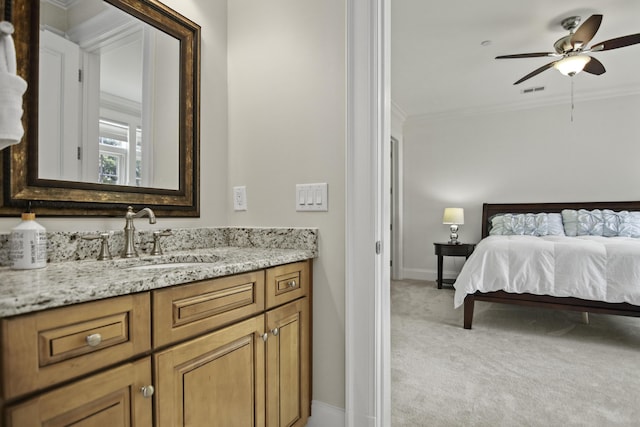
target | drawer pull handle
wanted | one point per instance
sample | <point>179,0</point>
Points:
<point>275,332</point>
<point>147,391</point>
<point>292,284</point>
<point>94,340</point>
<point>265,336</point>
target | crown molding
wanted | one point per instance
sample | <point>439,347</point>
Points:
<point>63,4</point>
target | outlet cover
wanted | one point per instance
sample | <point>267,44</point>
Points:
<point>240,198</point>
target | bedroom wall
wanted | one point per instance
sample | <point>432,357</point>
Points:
<point>533,155</point>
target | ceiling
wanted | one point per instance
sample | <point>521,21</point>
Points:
<point>439,65</point>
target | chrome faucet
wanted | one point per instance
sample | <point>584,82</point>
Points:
<point>129,246</point>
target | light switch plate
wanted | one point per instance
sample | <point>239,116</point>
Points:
<point>312,197</point>
<point>240,198</point>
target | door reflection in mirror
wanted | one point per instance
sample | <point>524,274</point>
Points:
<point>109,98</point>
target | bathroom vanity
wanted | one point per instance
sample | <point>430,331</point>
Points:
<point>210,336</point>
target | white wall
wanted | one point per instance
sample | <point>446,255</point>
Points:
<point>535,155</point>
<point>286,127</point>
<point>211,15</point>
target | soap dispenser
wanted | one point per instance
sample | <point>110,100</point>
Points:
<point>28,244</point>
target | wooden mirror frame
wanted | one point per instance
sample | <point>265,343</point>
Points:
<point>19,168</point>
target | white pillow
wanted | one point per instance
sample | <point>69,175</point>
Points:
<point>601,223</point>
<point>582,222</point>
<point>554,223</point>
<point>629,225</point>
<point>611,222</point>
<point>529,224</point>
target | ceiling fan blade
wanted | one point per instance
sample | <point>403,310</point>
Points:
<point>616,43</point>
<point>527,55</point>
<point>536,72</point>
<point>594,67</point>
<point>586,31</point>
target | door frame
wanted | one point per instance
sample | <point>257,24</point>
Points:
<point>367,295</point>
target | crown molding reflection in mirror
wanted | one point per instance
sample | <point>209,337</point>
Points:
<point>21,185</point>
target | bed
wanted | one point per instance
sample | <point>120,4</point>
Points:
<point>625,302</point>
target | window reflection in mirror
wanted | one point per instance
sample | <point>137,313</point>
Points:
<point>109,97</point>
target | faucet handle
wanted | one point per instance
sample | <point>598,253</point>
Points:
<point>104,248</point>
<point>157,249</point>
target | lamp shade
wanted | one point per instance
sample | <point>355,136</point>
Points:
<point>453,216</point>
<point>572,65</point>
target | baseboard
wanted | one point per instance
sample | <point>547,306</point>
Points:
<point>324,415</point>
<point>418,274</point>
<point>423,274</point>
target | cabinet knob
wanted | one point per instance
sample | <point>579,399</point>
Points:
<point>147,390</point>
<point>275,332</point>
<point>265,336</point>
<point>292,284</point>
<point>94,340</point>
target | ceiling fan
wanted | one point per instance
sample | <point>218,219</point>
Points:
<point>571,50</point>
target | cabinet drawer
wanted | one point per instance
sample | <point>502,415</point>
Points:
<point>112,398</point>
<point>287,282</point>
<point>66,342</point>
<point>187,310</point>
<point>46,348</point>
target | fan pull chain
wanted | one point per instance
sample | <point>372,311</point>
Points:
<point>572,106</point>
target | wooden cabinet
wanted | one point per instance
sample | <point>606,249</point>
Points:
<point>113,398</point>
<point>189,310</point>
<point>231,351</point>
<point>218,376</point>
<point>53,346</point>
<point>255,372</point>
<point>288,365</point>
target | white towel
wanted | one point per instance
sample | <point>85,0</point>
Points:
<point>12,87</point>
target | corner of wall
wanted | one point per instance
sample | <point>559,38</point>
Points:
<point>323,415</point>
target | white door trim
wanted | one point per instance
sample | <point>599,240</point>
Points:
<point>397,253</point>
<point>367,302</point>
<point>398,118</point>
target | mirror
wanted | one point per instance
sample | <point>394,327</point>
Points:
<point>122,131</point>
<point>116,120</point>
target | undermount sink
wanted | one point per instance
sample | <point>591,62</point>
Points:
<point>165,265</point>
<point>167,261</point>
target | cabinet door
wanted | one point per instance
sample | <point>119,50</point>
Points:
<point>112,398</point>
<point>288,362</point>
<point>214,380</point>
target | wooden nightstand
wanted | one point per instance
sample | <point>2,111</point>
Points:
<point>448,249</point>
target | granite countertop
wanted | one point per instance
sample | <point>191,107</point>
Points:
<point>65,283</point>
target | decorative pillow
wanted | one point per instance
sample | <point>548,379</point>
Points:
<point>520,224</point>
<point>601,223</point>
<point>611,222</point>
<point>570,222</point>
<point>554,223</point>
<point>629,225</point>
<point>582,222</point>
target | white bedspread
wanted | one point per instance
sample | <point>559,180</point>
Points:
<point>587,267</point>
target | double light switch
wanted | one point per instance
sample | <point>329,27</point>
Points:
<point>311,197</point>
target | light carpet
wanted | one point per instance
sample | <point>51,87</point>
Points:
<point>518,366</point>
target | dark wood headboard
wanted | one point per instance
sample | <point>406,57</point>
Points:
<point>491,209</point>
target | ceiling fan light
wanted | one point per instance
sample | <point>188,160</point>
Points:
<point>572,65</point>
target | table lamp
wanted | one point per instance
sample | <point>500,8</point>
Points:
<point>454,217</point>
